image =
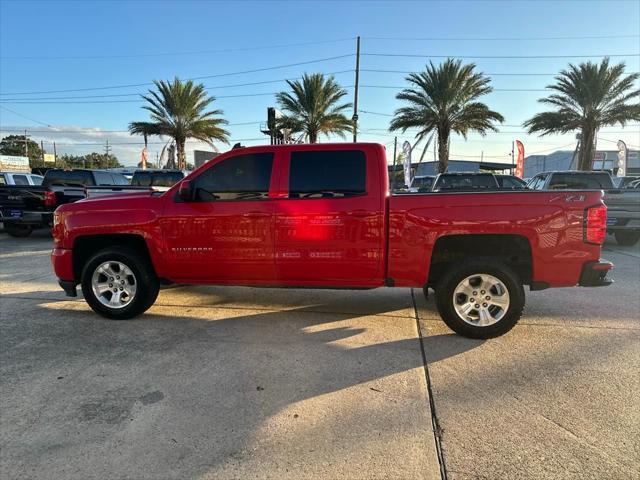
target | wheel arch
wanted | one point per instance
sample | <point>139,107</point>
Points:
<point>84,247</point>
<point>510,249</point>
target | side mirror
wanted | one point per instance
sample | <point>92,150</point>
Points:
<point>185,191</point>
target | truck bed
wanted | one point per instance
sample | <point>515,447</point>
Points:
<point>549,223</point>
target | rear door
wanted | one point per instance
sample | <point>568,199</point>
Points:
<point>330,224</point>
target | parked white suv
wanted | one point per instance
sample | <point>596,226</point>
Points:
<point>20,178</point>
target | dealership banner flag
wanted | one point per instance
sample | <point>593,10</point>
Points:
<point>144,158</point>
<point>622,158</point>
<point>406,151</point>
<point>520,161</point>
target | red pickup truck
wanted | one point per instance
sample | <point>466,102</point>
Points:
<point>322,216</point>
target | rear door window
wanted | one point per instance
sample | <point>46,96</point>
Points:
<point>327,174</point>
<point>20,180</point>
<point>242,177</point>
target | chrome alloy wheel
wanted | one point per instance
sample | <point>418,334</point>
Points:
<point>481,300</point>
<point>114,284</point>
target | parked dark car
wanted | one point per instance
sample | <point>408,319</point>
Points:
<point>624,182</point>
<point>24,208</point>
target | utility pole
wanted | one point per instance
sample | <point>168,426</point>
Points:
<point>55,155</point>
<point>26,145</point>
<point>42,150</point>
<point>355,96</point>
<point>107,148</point>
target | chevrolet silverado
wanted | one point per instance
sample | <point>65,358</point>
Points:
<point>322,216</point>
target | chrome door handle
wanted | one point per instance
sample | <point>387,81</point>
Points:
<point>360,213</point>
<point>256,215</point>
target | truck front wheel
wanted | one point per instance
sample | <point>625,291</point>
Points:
<point>480,298</point>
<point>119,283</point>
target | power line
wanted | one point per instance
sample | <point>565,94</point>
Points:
<point>80,144</point>
<point>211,87</point>
<point>409,55</point>
<point>166,54</point>
<point>509,74</point>
<point>429,39</point>
<point>111,87</point>
<point>24,116</point>
<point>493,90</point>
<point>90,130</point>
<point>615,141</point>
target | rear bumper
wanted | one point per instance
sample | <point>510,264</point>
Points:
<point>32,219</point>
<point>594,274</point>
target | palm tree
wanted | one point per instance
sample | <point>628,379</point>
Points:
<point>313,107</point>
<point>178,110</point>
<point>444,98</point>
<point>589,96</point>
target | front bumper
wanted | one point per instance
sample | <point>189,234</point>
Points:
<point>594,274</point>
<point>62,262</point>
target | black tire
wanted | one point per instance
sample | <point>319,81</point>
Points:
<point>446,287</point>
<point>18,231</point>
<point>627,238</point>
<point>147,282</point>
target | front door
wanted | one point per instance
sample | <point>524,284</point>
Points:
<point>330,226</point>
<point>225,233</point>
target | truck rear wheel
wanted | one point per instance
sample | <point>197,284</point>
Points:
<point>18,231</point>
<point>480,298</point>
<point>118,283</point>
<point>627,238</point>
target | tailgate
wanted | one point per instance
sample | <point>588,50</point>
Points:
<point>14,198</point>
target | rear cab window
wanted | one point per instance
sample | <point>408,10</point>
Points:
<point>465,182</point>
<point>578,181</point>
<point>327,174</point>
<point>68,178</point>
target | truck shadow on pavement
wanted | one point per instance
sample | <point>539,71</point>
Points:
<point>203,392</point>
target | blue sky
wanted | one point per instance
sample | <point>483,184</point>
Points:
<point>85,44</point>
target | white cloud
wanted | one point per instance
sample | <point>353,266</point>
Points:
<point>74,140</point>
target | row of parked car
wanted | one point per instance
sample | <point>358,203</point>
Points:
<point>27,201</point>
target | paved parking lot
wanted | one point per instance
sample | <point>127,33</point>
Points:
<point>278,383</point>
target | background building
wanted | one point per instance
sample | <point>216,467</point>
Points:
<point>561,160</point>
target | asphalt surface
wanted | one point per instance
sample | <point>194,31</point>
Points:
<point>229,382</point>
<point>211,383</point>
<point>557,397</point>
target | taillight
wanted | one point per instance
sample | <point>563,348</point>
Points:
<point>595,224</point>
<point>50,199</point>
